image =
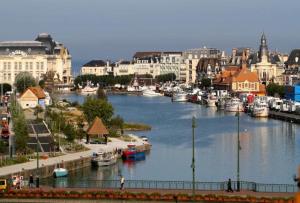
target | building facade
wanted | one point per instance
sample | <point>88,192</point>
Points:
<point>97,67</point>
<point>292,68</point>
<point>267,69</point>
<point>239,79</point>
<point>36,57</point>
<point>192,58</point>
<point>123,68</point>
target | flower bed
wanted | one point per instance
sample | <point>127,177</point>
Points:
<point>92,194</point>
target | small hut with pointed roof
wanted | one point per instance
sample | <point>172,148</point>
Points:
<point>97,128</point>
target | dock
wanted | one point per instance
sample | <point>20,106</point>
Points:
<point>285,116</point>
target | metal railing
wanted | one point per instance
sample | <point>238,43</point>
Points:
<point>178,185</point>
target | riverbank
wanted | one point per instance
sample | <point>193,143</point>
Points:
<point>72,161</point>
<point>136,127</point>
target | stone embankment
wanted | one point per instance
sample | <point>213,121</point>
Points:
<point>71,162</point>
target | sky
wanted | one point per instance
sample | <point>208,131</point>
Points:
<point>116,29</point>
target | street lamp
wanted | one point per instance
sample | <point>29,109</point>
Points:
<point>238,150</point>
<point>193,158</point>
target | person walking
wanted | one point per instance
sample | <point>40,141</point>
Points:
<point>122,181</point>
<point>229,188</point>
<point>31,180</point>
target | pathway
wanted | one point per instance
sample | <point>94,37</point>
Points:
<point>116,143</point>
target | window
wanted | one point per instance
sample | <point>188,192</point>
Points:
<point>16,65</point>
<point>4,76</point>
<point>42,65</point>
<point>8,65</point>
<point>26,66</point>
<point>8,76</point>
<point>31,65</point>
<point>4,65</point>
<point>37,65</point>
<point>20,65</point>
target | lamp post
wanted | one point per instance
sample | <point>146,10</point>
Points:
<point>238,150</point>
<point>193,158</point>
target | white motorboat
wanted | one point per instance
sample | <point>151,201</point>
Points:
<point>89,90</point>
<point>260,109</point>
<point>104,158</point>
<point>179,97</point>
<point>211,100</point>
<point>234,105</point>
<point>150,93</point>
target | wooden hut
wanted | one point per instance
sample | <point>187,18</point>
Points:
<point>97,129</point>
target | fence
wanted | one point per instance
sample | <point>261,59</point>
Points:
<point>179,185</point>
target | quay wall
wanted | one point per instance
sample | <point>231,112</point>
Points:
<point>47,170</point>
<point>285,116</point>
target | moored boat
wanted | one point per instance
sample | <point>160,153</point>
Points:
<point>221,103</point>
<point>260,109</point>
<point>89,90</point>
<point>150,93</point>
<point>211,100</point>
<point>132,153</point>
<point>104,158</point>
<point>60,172</point>
<point>179,97</point>
<point>234,105</point>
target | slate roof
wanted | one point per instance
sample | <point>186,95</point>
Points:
<point>293,57</point>
<point>95,63</point>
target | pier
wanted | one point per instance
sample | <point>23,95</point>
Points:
<point>285,116</point>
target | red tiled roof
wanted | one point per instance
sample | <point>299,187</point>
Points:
<point>38,91</point>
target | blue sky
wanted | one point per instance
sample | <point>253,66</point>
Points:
<point>115,29</point>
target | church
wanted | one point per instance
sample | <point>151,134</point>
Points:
<point>266,65</point>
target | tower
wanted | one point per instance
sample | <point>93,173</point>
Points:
<point>263,49</point>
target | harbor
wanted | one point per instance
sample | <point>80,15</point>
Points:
<point>269,151</point>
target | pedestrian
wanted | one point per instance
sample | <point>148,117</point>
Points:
<point>229,188</point>
<point>31,180</point>
<point>122,181</point>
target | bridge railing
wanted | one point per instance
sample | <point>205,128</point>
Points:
<point>179,185</point>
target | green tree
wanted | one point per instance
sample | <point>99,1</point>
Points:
<point>97,107</point>
<point>6,87</point>
<point>24,80</point>
<point>166,77</point>
<point>205,82</point>
<point>69,132</point>
<point>101,94</point>
<point>117,123</point>
<point>274,89</point>
<point>21,133</point>
<point>80,133</point>
<point>2,147</point>
<point>42,84</point>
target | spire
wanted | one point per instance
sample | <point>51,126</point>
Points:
<point>263,49</point>
<point>263,40</point>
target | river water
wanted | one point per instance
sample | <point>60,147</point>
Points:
<point>269,153</point>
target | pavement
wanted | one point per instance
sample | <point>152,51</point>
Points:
<point>111,146</point>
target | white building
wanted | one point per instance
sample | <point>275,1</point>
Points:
<point>159,63</point>
<point>36,57</point>
<point>123,68</point>
<point>97,67</point>
<point>191,59</point>
<point>267,68</point>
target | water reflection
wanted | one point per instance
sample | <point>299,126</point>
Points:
<point>270,148</point>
